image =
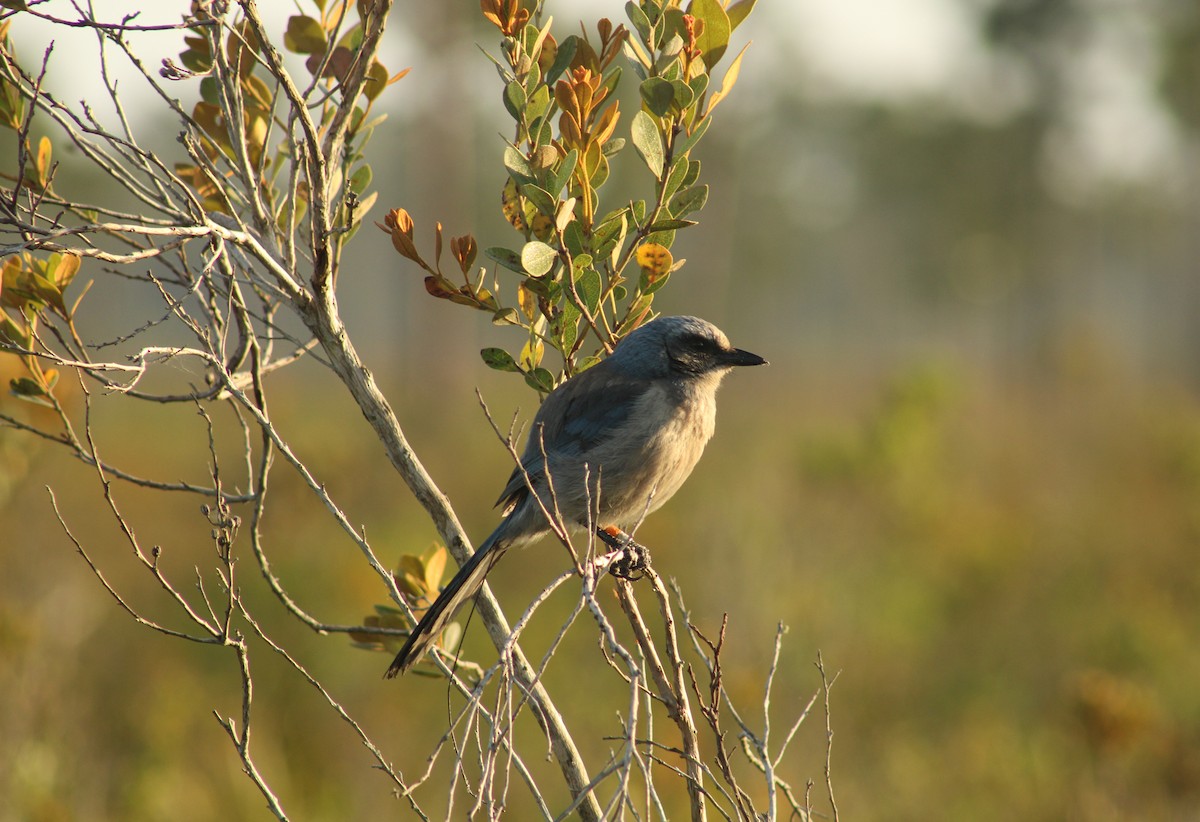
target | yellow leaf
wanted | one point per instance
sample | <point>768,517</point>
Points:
<point>654,259</point>
<point>528,302</point>
<point>43,160</point>
<point>66,270</point>
<point>377,80</point>
<point>410,576</point>
<point>510,204</point>
<point>435,566</point>
<point>531,354</point>
<point>727,82</point>
<point>543,227</point>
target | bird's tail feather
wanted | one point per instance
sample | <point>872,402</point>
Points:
<point>466,584</point>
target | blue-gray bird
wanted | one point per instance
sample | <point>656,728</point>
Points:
<point>607,447</point>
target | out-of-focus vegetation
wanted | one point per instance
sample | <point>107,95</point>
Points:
<point>971,477</point>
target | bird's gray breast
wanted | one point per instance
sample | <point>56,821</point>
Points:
<point>647,461</point>
<point>614,445</point>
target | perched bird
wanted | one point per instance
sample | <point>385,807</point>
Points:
<point>607,447</point>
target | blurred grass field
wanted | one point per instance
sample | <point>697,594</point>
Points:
<point>1004,574</point>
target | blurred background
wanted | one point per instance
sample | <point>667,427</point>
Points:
<point>966,237</point>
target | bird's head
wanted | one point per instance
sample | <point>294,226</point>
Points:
<point>680,346</point>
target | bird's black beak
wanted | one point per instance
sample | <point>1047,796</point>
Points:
<point>737,356</point>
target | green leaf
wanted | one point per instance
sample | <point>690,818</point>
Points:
<point>534,78</point>
<point>563,175</point>
<point>639,19</point>
<point>518,165</point>
<point>675,177</point>
<point>611,247</point>
<point>352,39</point>
<point>360,179</point>
<point>600,174</point>
<point>588,285</point>
<point>538,103</point>
<point>574,239</point>
<point>541,380</point>
<point>541,199</point>
<point>543,135</point>
<point>25,387</point>
<point>671,25</point>
<point>506,316</point>
<point>658,95</point>
<point>663,238</point>
<point>11,332</point>
<point>636,56</point>
<point>739,11</point>
<point>304,35</point>
<point>514,99</point>
<point>635,314</point>
<point>537,258</point>
<point>648,142</point>
<point>547,289</point>
<point>671,225</point>
<point>715,38</point>
<point>210,90</point>
<point>565,326</point>
<point>566,53</point>
<point>197,57</point>
<point>505,257</point>
<point>684,144</point>
<point>586,363</point>
<point>612,146</point>
<point>612,80</point>
<point>682,94</point>
<point>47,292</point>
<point>499,359</point>
<point>610,224</point>
<point>688,201</point>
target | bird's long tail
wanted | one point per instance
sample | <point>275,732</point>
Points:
<point>466,584</point>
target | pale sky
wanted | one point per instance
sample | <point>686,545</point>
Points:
<point>889,51</point>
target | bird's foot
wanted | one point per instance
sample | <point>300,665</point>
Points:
<point>634,560</point>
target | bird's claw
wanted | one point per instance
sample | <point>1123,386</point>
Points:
<point>634,560</point>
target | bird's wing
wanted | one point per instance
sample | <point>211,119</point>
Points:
<point>582,413</point>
